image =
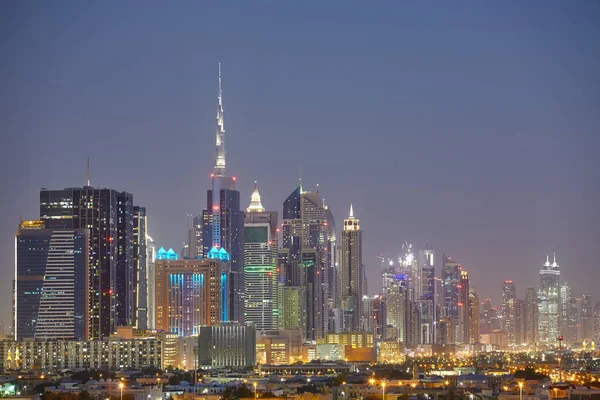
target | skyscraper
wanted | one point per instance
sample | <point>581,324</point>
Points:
<point>107,214</point>
<point>464,318</point>
<point>451,282</point>
<point>426,301</point>
<point>485,325</point>
<point>351,273</point>
<point>51,282</point>
<point>188,293</point>
<point>306,255</point>
<point>260,265</point>
<point>549,302</point>
<point>473,316</point>
<point>140,262</point>
<point>531,316</point>
<point>586,318</point>
<point>223,225</point>
<point>509,297</point>
<point>597,323</point>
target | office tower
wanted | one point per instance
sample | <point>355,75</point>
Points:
<point>572,320</point>
<point>227,345</point>
<point>451,282</point>
<point>531,316</point>
<point>426,300</point>
<point>597,323</point>
<point>564,309</point>
<point>374,309</point>
<point>509,298</point>
<point>140,262</point>
<point>306,255</point>
<point>223,224</point>
<point>586,318</point>
<point>396,303</point>
<point>108,215</point>
<point>519,322</point>
<point>188,293</point>
<point>464,333</point>
<point>485,325</point>
<point>473,317</point>
<point>351,275</point>
<point>549,302</point>
<point>126,275</point>
<point>260,265</point>
<point>150,258</point>
<point>51,282</point>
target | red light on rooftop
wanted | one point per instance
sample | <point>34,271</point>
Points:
<point>233,178</point>
<point>212,175</point>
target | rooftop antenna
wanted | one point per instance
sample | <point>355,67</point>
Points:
<point>87,173</point>
<point>300,177</point>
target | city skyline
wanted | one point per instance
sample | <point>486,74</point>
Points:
<point>486,220</point>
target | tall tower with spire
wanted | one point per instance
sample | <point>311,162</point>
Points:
<point>549,302</point>
<point>262,286</point>
<point>223,226</point>
<point>351,273</point>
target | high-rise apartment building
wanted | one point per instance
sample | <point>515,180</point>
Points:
<point>150,259</point>
<point>140,262</point>
<point>464,314</point>
<point>223,225</point>
<point>108,215</point>
<point>426,302</point>
<point>473,317</point>
<point>586,318</point>
<point>188,293</point>
<point>51,283</point>
<point>261,271</point>
<point>307,255</point>
<point>451,282</point>
<point>351,273</point>
<point>549,302</point>
<point>485,325</point>
<point>509,298</point>
<point>531,316</point>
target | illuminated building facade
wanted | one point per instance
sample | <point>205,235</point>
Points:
<point>549,302</point>
<point>108,215</point>
<point>277,347</point>
<point>308,248</point>
<point>51,283</point>
<point>227,345</point>
<point>597,323</point>
<point>150,258</point>
<point>108,354</point>
<point>451,282</point>
<point>509,298</point>
<point>351,273</point>
<point>261,271</point>
<point>426,301</point>
<point>223,225</point>
<point>464,314</point>
<point>294,308</point>
<point>188,293</point>
<point>473,317</point>
<point>140,262</point>
<point>586,318</point>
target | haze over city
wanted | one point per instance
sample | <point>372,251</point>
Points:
<point>471,126</point>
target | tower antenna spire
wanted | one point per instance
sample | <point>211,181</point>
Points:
<point>87,172</point>
<point>219,169</point>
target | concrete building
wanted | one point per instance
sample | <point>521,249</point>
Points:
<point>227,345</point>
<point>275,347</point>
<point>351,273</point>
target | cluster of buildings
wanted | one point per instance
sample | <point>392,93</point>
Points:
<point>249,286</point>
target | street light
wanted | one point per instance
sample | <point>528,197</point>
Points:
<point>121,385</point>
<point>383,391</point>
<point>520,390</point>
<point>255,394</point>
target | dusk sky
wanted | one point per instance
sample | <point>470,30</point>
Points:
<point>472,125</point>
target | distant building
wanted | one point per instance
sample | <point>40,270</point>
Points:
<point>227,345</point>
<point>188,293</point>
<point>108,216</point>
<point>549,302</point>
<point>261,272</point>
<point>353,339</point>
<point>451,282</point>
<point>351,273</point>
<point>531,316</point>
<point>140,262</point>
<point>294,307</point>
<point>51,283</point>
<point>331,352</point>
<point>509,299</point>
<point>274,347</point>
<point>107,354</point>
<point>391,352</point>
<point>586,316</point>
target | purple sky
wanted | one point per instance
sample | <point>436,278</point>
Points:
<point>474,125</point>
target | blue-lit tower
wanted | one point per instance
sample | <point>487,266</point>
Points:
<point>223,227</point>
